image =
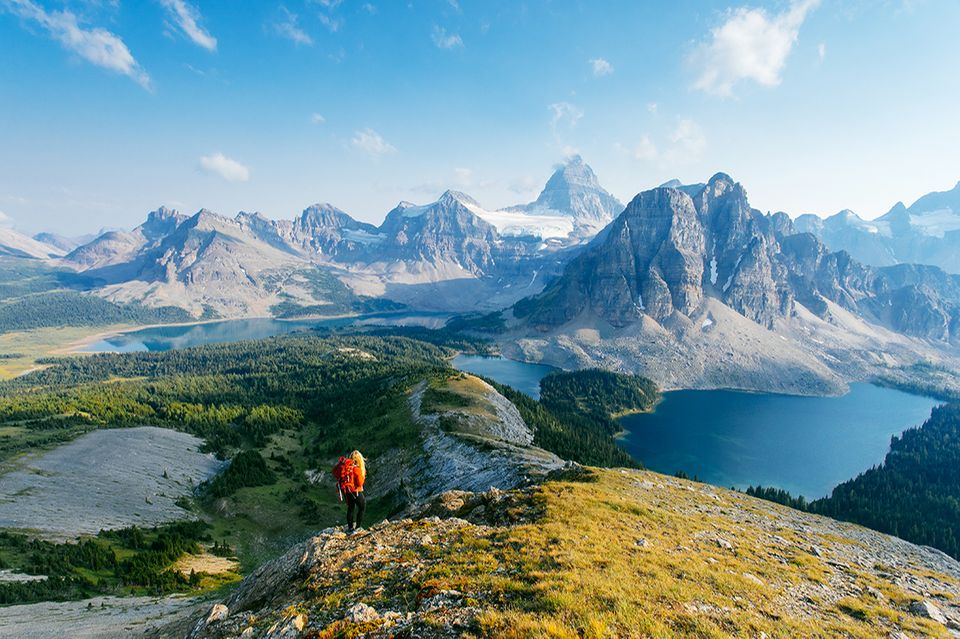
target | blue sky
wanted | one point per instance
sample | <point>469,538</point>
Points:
<point>109,108</point>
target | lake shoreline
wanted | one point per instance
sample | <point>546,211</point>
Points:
<point>76,348</point>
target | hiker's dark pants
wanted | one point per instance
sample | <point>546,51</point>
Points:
<point>355,501</point>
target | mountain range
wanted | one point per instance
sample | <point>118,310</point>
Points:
<point>927,232</point>
<point>450,254</point>
<point>687,284</point>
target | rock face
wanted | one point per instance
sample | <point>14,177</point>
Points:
<point>445,231</point>
<point>927,232</point>
<point>574,191</point>
<point>694,288</point>
<point>668,251</point>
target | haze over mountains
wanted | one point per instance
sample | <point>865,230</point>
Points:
<point>927,232</point>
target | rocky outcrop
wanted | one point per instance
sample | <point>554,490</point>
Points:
<point>473,449</point>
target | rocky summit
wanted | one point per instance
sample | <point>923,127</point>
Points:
<point>727,293</point>
<point>594,553</point>
<point>574,191</point>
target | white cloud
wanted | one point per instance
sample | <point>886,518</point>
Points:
<point>822,51</point>
<point>227,168</point>
<point>463,176</point>
<point>600,67</point>
<point>187,18</point>
<point>370,8</point>
<point>645,150</point>
<point>684,144</point>
<point>652,107</point>
<point>750,45</point>
<point>97,46</point>
<point>327,16</point>
<point>372,143</point>
<point>332,23</point>
<point>564,114</point>
<point>5,220</point>
<point>446,40</point>
<point>317,118</point>
<point>687,143</point>
<point>289,28</point>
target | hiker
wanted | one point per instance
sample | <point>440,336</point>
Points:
<point>350,473</point>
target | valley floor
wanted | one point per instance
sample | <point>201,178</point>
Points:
<point>22,349</point>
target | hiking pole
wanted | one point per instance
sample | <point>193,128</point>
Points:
<point>339,492</point>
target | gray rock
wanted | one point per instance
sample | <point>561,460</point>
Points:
<point>361,613</point>
<point>927,610</point>
<point>289,628</point>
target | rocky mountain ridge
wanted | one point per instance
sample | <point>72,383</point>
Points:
<point>16,244</point>
<point>247,264</point>
<point>711,284</point>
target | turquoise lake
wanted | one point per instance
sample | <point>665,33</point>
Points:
<point>806,445</point>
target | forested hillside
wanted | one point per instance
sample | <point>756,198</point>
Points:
<point>77,309</point>
<point>36,295</point>
<point>281,409</point>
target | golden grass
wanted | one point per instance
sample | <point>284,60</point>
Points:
<point>582,570</point>
<point>205,563</point>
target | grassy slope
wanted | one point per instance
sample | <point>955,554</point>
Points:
<point>570,566</point>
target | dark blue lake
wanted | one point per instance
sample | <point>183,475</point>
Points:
<point>806,445</point>
<point>523,376</point>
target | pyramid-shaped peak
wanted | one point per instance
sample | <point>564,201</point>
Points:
<point>573,172</point>
<point>451,196</point>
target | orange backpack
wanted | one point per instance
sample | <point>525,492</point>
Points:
<point>343,473</point>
